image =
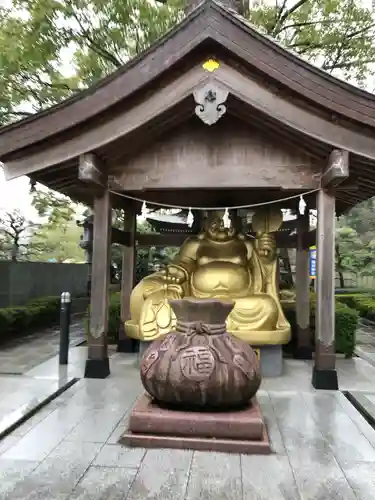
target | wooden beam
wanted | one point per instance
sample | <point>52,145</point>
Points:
<point>324,372</point>
<point>348,185</point>
<point>90,170</point>
<point>176,239</point>
<point>97,364</point>
<point>120,237</point>
<point>337,170</point>
<point>161,240</point>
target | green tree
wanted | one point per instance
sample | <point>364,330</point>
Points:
<point>58,243</point>
<point>59,236</point>
<point>96,37</point>
<point>355,241</point>
<point>56,208</point>
<point>99,36</point>
<point>15,235</point>
<point>337,35</point>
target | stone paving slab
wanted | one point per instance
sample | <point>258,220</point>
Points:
<point>365,341</point>
<point>323,447</point>
<point>21,354</point>
<point>21,397</point>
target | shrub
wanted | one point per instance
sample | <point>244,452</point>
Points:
<point>364,304</point>
<point>114,316</point>
<point>345,325</point>
<point>39,313</point>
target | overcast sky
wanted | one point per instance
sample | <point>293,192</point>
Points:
<point>15,194</point>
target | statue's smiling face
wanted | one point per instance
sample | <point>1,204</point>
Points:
<point>216,230</point>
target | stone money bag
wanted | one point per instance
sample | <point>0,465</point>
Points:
<point>200,365</point>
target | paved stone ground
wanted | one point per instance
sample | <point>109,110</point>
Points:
<point>366,334</point>
<point>22,354</point>
<point>365,347</point>
<point>323,448</point>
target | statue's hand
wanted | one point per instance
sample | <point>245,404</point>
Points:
<point>173,274</point>
<point>266,246</point>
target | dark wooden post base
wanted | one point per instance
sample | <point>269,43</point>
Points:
<point>97,368</point>
<point>126,344</point>
<point>325,379</point>
<point>303,352</point>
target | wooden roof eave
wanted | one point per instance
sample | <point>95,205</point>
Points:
<point>251,93</point>
<point>209,21</point>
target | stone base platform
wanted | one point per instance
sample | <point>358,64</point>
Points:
<point>271,360</point>
<point>242,431</point>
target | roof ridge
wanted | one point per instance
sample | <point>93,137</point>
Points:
<point>289,52</point>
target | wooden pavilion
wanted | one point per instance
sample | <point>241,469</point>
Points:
<point>255,124</point>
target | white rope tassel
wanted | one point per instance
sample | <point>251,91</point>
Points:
<point>226,219</point>
<point>302,205</point>
<point>190,218</point>
<point>144,212</point>
<point>237,207</point>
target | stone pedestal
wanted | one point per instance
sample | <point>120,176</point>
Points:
<point>236,431</point>
<point>271,360</point>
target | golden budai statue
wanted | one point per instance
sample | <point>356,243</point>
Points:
<point>218,263</point>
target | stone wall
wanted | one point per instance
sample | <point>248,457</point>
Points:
<point>23,281</point>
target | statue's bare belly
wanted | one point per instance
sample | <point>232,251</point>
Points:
<point>221,279</point>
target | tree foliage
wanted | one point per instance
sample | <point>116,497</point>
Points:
<point>51,49</point>
<point>15,234</point>
<point>336,35</point>
<point>58,209</point>
<point>94,38</point>
<point>58,243</point>
<point>355,241</point>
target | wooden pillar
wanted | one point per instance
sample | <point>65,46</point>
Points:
<point>324,372</point>
<point>324,369</point>
<point>126,344</point>
<point>303,341</point>
<point>97,364</point>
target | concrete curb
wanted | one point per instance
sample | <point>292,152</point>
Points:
<point>362,405</point>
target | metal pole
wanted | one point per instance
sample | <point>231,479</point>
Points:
<point>64,327</point>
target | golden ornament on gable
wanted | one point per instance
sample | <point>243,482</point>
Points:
<point>210,65</point>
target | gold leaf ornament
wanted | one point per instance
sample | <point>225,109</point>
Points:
<point>210,65</point>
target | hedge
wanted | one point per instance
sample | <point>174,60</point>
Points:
<point>38,313</point>
<point>364,304</point>
<point>346,320</point>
